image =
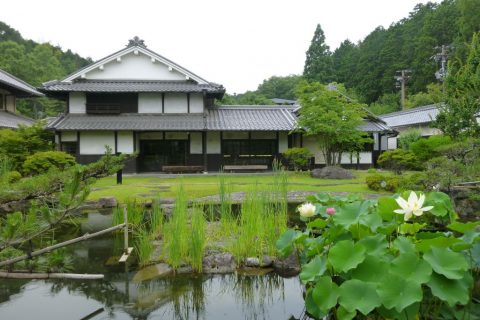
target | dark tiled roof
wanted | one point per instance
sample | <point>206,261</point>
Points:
<point>284,101</point>
<point>11,120</point>
<point>413,116</point>
<point>251,118</point>
<point>22,88</point>
<point>131,86</point>
<point>225,118</point>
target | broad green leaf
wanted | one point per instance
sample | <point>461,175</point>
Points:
<point>343,314</point>
<point>475,252</point>
<point>410,266</point>
<point>386,205</point>
<point>313,269</point>
<point>348,215</point>
<point>404,245</point>
<point>372,220</point>
<point>446,262</point>
<point>322,197</point>
<point>424,245</point>
<point>387,229</point>
<point>285,243</point>
<point>325,294</point>
<point>411,228</point>
<point>312,307</point>
<point>359,295</point>
<point>409,313</point>
<point>470,236</point>
<point>399,292</point>
<point>372,269</point>
<point>346,255</point>
<point>441,202</point>
<point>317,224</point>
<point>463,227</point>
<point>375,245</point>
<point>451,291</point>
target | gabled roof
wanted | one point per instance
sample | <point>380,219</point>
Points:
<point>281,101</point>
<point>414,116</point>
<point>19,87</point>
<point>12,120</point>
<point>138,46</point>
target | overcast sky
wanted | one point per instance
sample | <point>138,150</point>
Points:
<point>237,43</point>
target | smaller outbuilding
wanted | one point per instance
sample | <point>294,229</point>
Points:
<point>11,89</point>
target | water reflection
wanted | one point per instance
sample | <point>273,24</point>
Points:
<point>231,296</point>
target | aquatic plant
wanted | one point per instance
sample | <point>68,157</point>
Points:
<point>227,220</point>
<point>143,246</point>
<point>363,257</point>
<point>157,219</point>
<point>197,238</point>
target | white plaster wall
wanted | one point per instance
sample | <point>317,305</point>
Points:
<point>366,157</point>
<point>424,130</point>
<point>135,67</point>
<point>176,136</point>
<point>94,142</point>
<point>176,103</point>
<point>311,144</point>
<point>10,105</point>
<point>392,143</point>
<point>282,141</point>
<point>69,136</point>
<point>213,142</point>
<point>196,103</point>
<point>228,135</point>
<point>77,102</point>
<point>196,143</point>
<point>150,136</point>
<point>125,141</point>
<point>149,102</point>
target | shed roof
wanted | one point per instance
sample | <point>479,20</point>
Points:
<point>19,87</point>
<point>420,115</point>
<point>12,120</point>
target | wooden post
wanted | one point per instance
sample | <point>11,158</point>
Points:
<point>126,250</point>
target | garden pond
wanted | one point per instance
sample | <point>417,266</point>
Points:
<point>118,296</point>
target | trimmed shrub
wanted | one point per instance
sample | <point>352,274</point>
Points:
<point>41,162</point>
<point>379,182</point>
<point>426,149</point>
<point>407,138</point>
<point>12,176</point>
<point>298,158</point>
<point>399,160</point>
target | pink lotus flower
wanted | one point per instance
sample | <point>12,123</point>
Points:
<point>330,211</point>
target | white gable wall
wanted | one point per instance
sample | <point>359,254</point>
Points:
<point>134,67</point>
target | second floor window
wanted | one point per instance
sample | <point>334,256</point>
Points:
<point>112,103</point>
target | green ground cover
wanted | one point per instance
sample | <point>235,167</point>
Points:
<point>166,186</point>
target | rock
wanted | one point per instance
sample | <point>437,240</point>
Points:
<point>107,202</point>
<point>331,173</point>
<point>219,263</point>
<point>255,262</point>
<point>254,271</point>
<point>184,269</point>
<point>288,266</point>
<point>152,272</point>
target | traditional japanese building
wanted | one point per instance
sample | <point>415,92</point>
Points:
<point>136,100</point>
<point>11,89</point>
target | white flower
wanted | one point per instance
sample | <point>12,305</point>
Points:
<point>307,210</point>
<point>412,207</point>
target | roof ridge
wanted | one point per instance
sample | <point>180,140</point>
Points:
<point>21,81</point>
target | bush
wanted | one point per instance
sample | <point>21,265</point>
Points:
<point>426,149</point>
<point>444,173</point>
<point>12,176</point>
<point>408,137</point>
<point>379,182</point>
<point>41,162</point>
<point>399,160</point>
<point>298,158</point>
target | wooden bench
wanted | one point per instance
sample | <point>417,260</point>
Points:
<point>255,167</point>
<point>182,169</point>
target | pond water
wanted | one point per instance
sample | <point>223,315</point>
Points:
<point>231,296</point>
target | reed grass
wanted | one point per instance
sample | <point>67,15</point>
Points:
<point>157,219</point>
<point>176,231</point>
<point>144,247</point>
<point>197,242</point>
<point>227,220</point>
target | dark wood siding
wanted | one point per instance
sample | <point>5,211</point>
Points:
<point>112,103</point>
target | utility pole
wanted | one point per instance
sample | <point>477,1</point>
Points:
<point>402,77</point>
<point>441,57</point>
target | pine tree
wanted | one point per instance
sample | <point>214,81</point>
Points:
<point>318,64</point>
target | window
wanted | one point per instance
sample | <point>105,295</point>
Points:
<point>254,151</point>
<point>70,147</point>
<point>112,103</point>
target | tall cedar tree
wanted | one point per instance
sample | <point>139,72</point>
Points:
<point>332,118</point>
<point>458,117</point>
<point>318,64</point>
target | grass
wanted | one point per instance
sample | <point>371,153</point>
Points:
<point>148,187</point>
<point>197,242</point>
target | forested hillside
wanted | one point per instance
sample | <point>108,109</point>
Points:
<point>368,68</point>
<point>36,63</point>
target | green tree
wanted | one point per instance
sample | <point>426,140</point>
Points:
<point>318,64</point>
<point>332,118</point>
<point>458,116</point>
<point>344,62</point>
<point>279,87</point>
<point>247,98</point>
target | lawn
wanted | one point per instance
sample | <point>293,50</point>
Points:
<point>165,186</point>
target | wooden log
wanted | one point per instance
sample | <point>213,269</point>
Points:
<point>76,276</point>
<point>86,236</point>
